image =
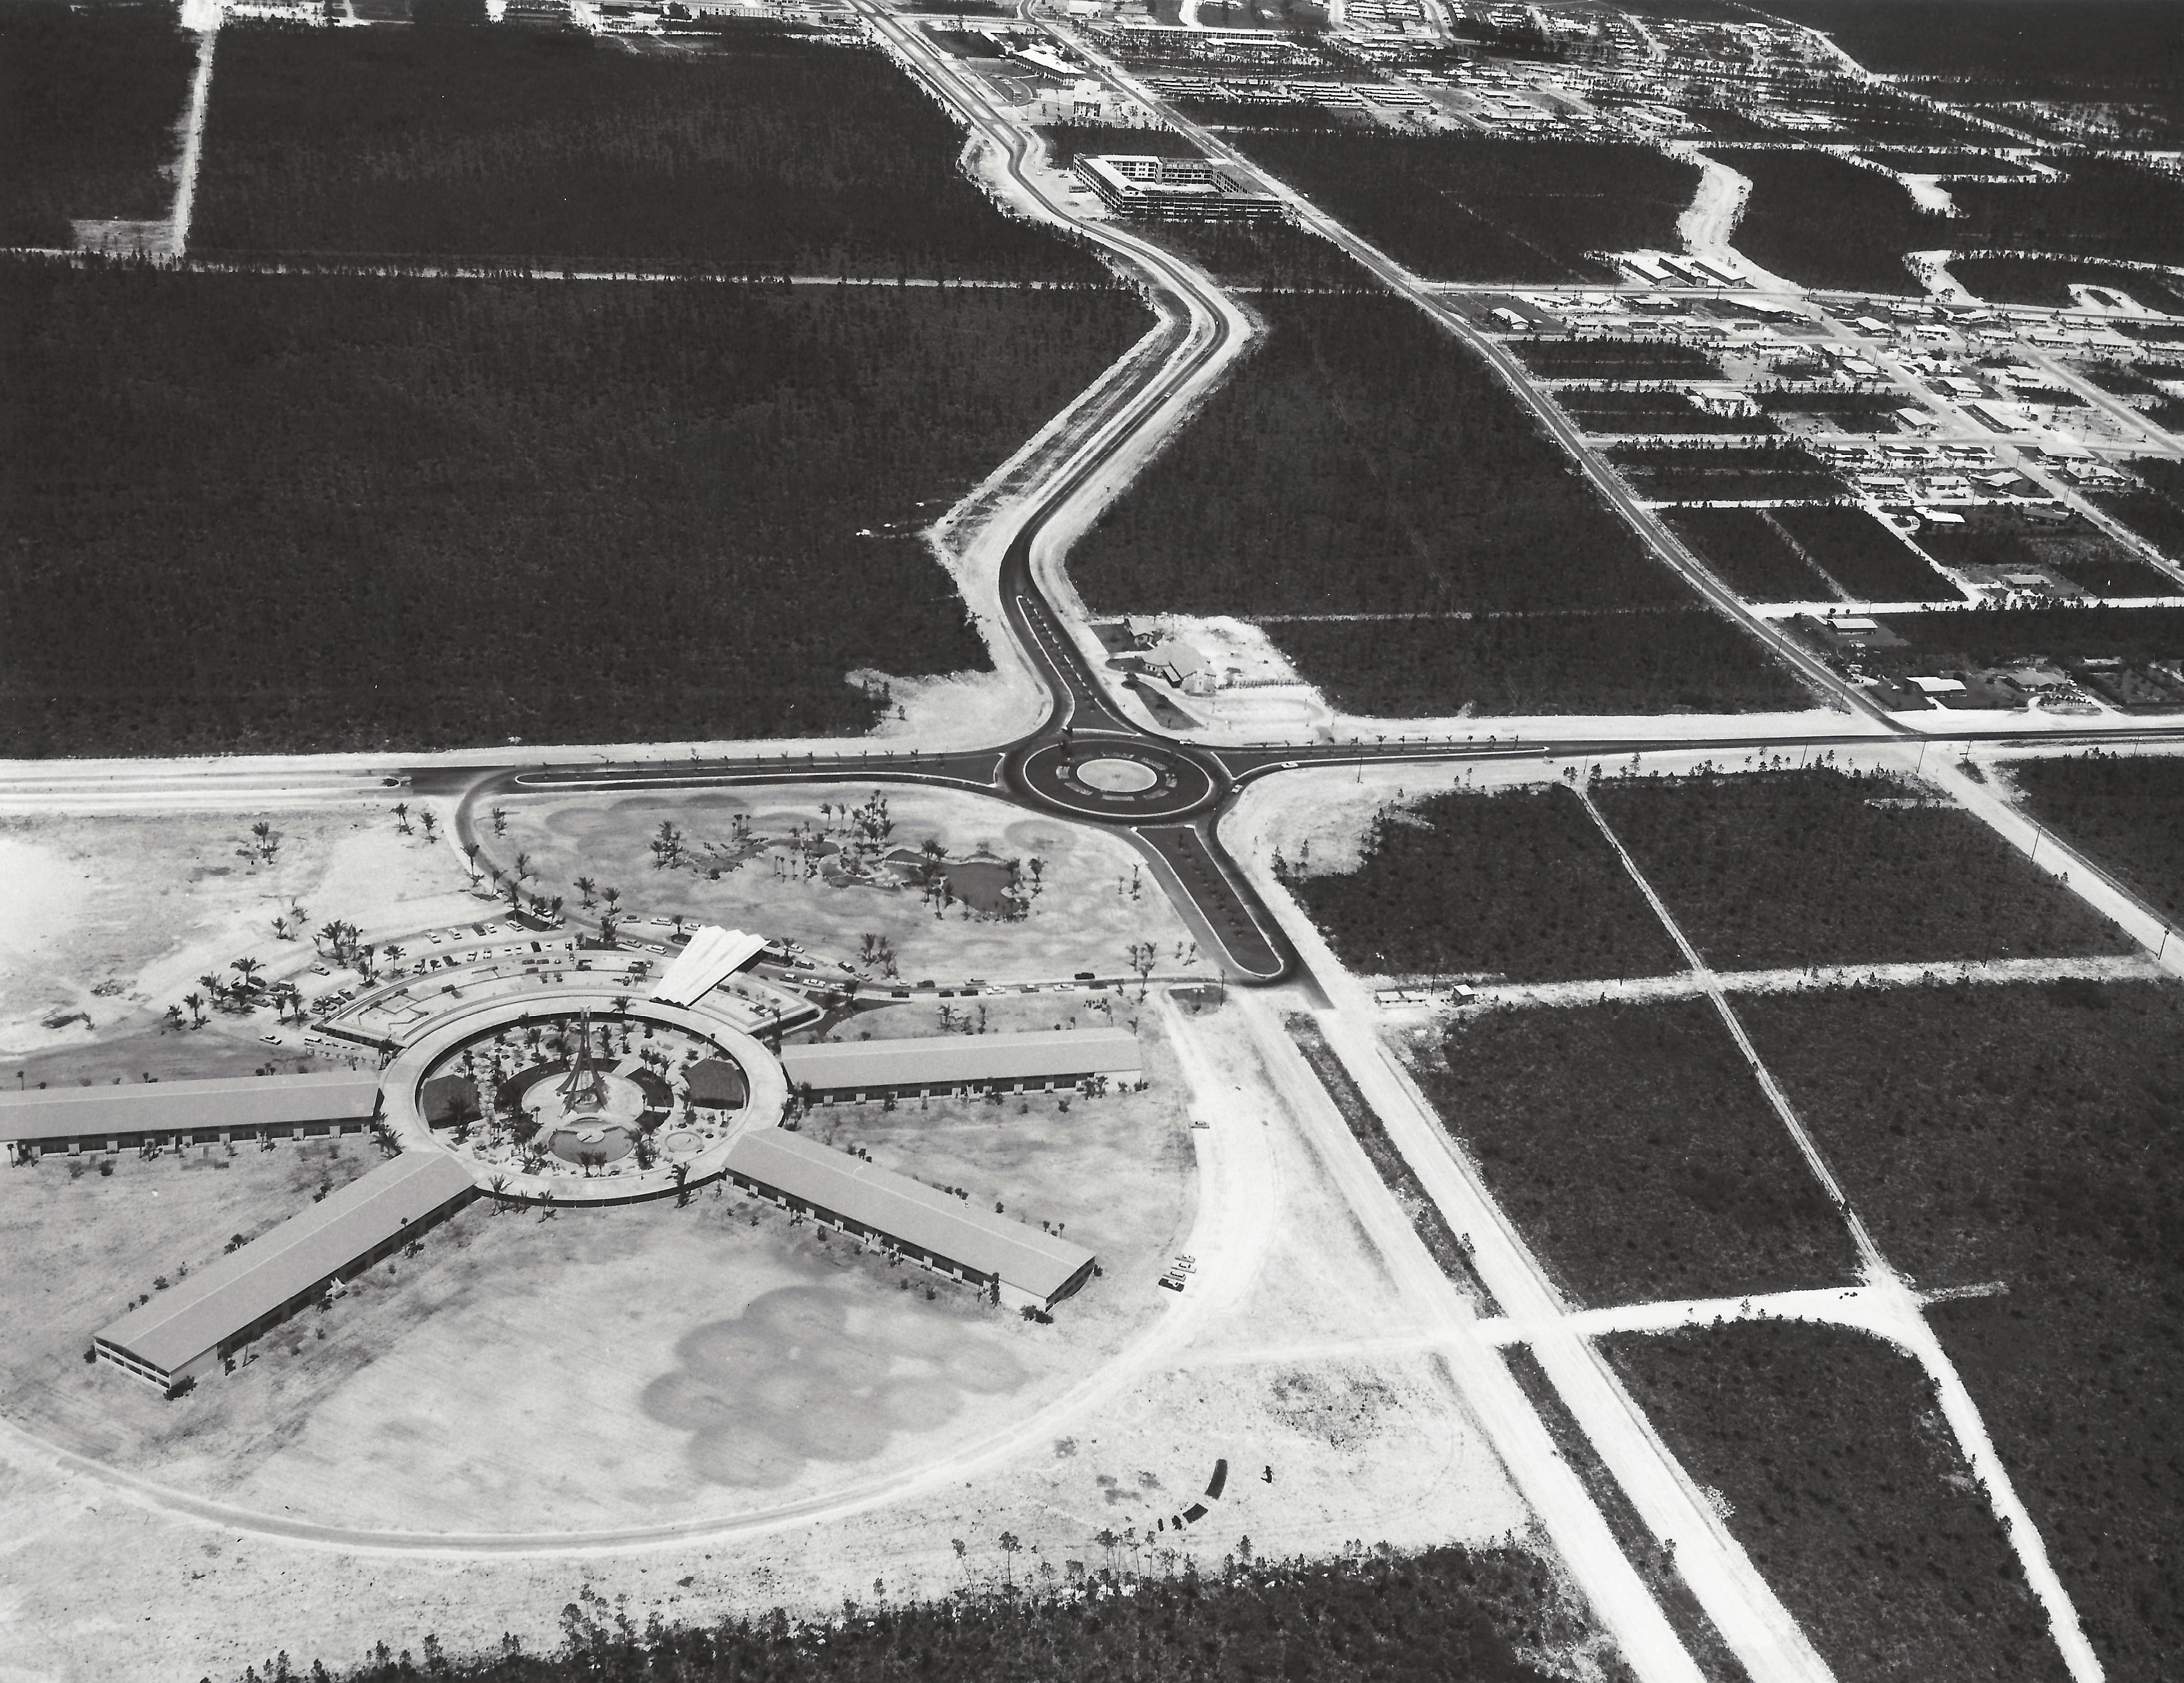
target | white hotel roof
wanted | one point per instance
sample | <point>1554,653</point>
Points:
<point>914,1215</point>
<point>187,1106</point>
<point>946,1059</point>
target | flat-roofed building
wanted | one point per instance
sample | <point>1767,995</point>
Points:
<point>1174,189</point>
<point>178,1113</point>
<point>1020,1265</point>
<point>185,1331</point>
<point>1018,1062</point>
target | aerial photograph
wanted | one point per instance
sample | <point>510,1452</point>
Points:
<point>1092,841</point>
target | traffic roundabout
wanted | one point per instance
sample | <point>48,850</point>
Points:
<point>1130,779</point>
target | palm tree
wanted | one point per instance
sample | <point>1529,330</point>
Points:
<point>611,896</point>
<point>279,928</point>
<point>431,822</point>
<point>196,1003</point>
<point>584,886</point>
<point>522,865</point>
<point>328,935</point>
<point>248,969</point>
<point>215,989</point>
<point>678,919</point>
<point>264,832</point>
<point>394,955</point>
<point>402,816</point>
<point>500,821</point>
<point>175,1015</point>
<point>554,908</point>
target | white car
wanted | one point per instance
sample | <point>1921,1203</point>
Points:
<point>270,1039</point>
<point>434,937</point>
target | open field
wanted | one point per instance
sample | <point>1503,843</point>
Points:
<point>2127,815</point>
<point>89,101</point>
<point>2032,1136</point>
<point>1820,221</point>
<point>1517,884</point>
<point>1862,555</point>
<point>1361,461</point>
<point>108,920</point>
<point>1634,1151</point>
<point>1698,473</point>
<point>1607,359</point>
<point>1841,1479</point>
<point>2047,281</point>
<point>1676,659</point>
<point>606,1368</point>
<point>1746,547</point>
<point>1766,869</point>
<point>1092,901</point>
<point>2004,540</point>
<point>1459,207</point>
<point>709,152</point>
<point>556,506</point>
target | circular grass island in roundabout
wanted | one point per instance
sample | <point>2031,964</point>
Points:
<point>556,1099</point>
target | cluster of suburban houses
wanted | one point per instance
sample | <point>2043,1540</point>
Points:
<point>190,1329</point>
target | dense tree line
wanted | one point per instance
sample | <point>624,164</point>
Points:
<point>1466,207</point>
<point>2047,281</point>
<point>1518,883</point>
<point>1846,1493</point>
<point>1361,460</point>
<point>1635,1153</point>
<point>1998,637</point>
<point>1369,1616</point>
<point>1821,220</point>
<point>1746,550</point>
<point>1275,254</point>
<point>1651,409</point>
<point>2033,1136</point>
<point>2156,513</point>
<point>2103,207</point>
<point>754,152</point>
<point>1774,868</point>
<point>1066,142</point>
<point>2116,54</point>
<point>1851,411</point>
<point>2127,814</point>
<point>1861,554</point>
<point>339,512</point>
<point>1678,659</point>
<point>1610,359</point>
<point>2088,557</point>
<point>90,97</point>
<point>1694,473</point>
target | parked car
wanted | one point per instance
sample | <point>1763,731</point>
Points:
<point>1171,1282</point>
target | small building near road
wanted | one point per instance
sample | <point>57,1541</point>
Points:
<point>174,1114</point>
<point>1023,1061</point>
<point>1021,1266</point>
<point>1175,189</point>
<point>184,1332</point>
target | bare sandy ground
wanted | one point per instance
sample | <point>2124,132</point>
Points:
<point>1094,900</point>
<point>114,917</point>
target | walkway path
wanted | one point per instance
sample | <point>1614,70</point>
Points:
<point>203,16</point>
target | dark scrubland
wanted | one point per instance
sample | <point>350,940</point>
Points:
<point>1362,460</point>
<point>2047,281</point>
<point>1695,473</point>
<point>2156,512</point>
<point>1606,359</point>
<point>1495,1615</point>
<point>1676,659</point>
<point>322,512</point>
<point>1772,868</point>
<point>1517,884</point>
<point>2126,815</point>
<point>1996,636</point>
<point>2103,207</point>
<point>1275,255</point>
<point>2032,1136</point>
<point>2114,57</point>
<point>1866,558</point>
<point>1848,1491</point>
<point>90,100</point>
<point>1820,220</point>
<point>2083,554</point>
<point>1645,409</point>
<point>1461,207</point>
<point>756,150</point>
<point>1745,547</point>
<point>1066,142</point>
<point>1635,1151</point>
<point>1851,411</point>
<point>1946,163</point>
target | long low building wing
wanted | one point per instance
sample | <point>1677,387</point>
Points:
<point>198,1107</point>
<point>962,1060</point>
<point>223,1301</point>
<point>916,1217</point>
